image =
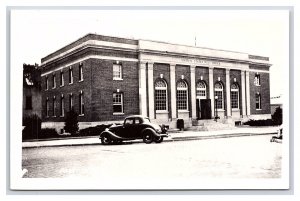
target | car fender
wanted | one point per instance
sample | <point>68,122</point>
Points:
<point>152,130</point>
<point>111,134</point>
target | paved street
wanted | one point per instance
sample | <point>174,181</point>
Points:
<point>236,157</point>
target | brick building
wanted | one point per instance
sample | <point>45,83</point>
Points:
<point>107,78</point>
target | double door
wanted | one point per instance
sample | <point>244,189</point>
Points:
<point>203,108</point>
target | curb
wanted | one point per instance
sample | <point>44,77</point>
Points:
<point>173,139</point>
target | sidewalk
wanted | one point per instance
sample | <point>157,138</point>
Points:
<point>174,136</point>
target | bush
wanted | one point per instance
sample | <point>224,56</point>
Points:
<point>32,127</point>
<point>91,131</point>
<point>266,122</point>
<point>71,122</point>
<point>48,133</point>
<point>277,116</point>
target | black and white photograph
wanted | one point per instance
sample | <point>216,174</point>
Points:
<point>161,99</point>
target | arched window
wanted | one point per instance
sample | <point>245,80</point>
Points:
<point>201,90</point>
<point>219,94</point>
<point>234,95</point>
<point>258,101</point>
<point>182,95</point>
<point>160,95</point>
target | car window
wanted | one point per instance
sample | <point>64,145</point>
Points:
<point>146,120</point>
<point>129,121</point>
<point>138,121</point>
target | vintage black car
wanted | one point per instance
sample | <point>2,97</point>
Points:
<point>134,127</point>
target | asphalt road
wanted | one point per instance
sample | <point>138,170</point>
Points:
<point>237,157</point>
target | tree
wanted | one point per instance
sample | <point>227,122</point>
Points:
<point>31,76</point>
<point>71,122</point>
<point>277,116</point>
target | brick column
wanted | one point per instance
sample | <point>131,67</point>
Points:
<point>243,87</point>
<point>150,90</point>
<point>193,91</point>
<point>248,92</point>
<point>142,89</point>
<point>211,90</point>
<point>228,101</point>
<point>173,91</point>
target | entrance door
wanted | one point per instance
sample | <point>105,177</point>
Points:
<point>205,109</point>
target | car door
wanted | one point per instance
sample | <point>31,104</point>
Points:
<point>138,127</point>
<point>128,127</point>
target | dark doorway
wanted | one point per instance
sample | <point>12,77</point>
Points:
<point>205,109</point>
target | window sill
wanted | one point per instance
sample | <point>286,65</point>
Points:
<point>257,85</point>
<point>235,109</point>
<point>162,112</point>
<point>81,115</point>
<point>61,116</point>
<point>118,79</point>
<point>80,81</point>
<point>183,111</point>
<point>258,109</point>
<point>118,113</point>
<point>70,83</point>
<point>61,85</point>
<point>220,110</point>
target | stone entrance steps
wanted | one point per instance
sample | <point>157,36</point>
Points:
<point>210,125</point>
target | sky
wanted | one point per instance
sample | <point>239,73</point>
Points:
<point>37,33</point>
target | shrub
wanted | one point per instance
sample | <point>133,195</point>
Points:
<point>265,122</point>
<point>96,130</point>
<point>32,128</point>
<point>277,116</point>
<point>71,122</point>
<point>48,133</point>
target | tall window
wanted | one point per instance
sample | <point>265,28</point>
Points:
<point>219,94</point>
<point>47,83</point>
<point>81,103</point>
<point>161,95</point>
<point>182,95</point>
<point>47,107</point>
<point>80,72</point>
<point>117,71</point>
<point>257,80</point>
<point>28,105</point>
<point>54,106</point>
<point>70,102</point>
<point>62,106</point>
<point>62,81</point>
<point>53,81</point>
<point>70,75</point>
<point>258,101</point>
<point>234,95</point>
<point>117,103</point>
<point>201,90</point>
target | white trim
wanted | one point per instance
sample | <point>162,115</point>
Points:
<point>161,111</point>
<point>183,111</point>
<point>89,43</point>
<point>261,71</point>
<point>118,113</point>
<point>89,57</point>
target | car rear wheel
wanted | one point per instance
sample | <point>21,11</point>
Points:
<point>158,139</point>
<point>105,139</point>
<point>148,137</point>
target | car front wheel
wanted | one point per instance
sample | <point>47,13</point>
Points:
<point>148,137</point>
<point>158,139</point>
<point>105,139</point>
